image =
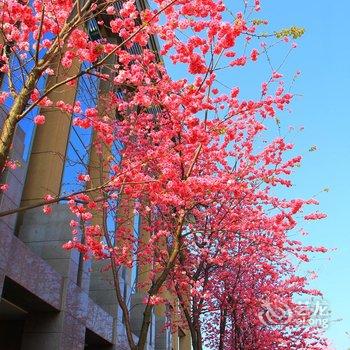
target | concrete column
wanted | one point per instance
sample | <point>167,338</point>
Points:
<point>171,342</point>
<point>184,335</point>
<point>185,340</point>
<point>50,141</point>
<point>163,336</point>
<point>45,235</point>
<point>102,289</point>
<point>11,199</point>
<point>143,276</point>
<point>102,292</point>
<point>136,315</point>
<point>175,341</point>
<point>137,300</point>
<point>101,283</point>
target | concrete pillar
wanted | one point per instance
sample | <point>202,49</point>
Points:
<point>163,336</point>
<point>143,285</point>
<point>102,288</point>
<point>102,292</point>
<point>185,340</point>
<point>184,335</point>
<point>179,339</point>
<point>175,341</point>
<point>143,276</point>
<point>45,235</point>
<point>50,141</point>
<point>136,316</point>
<point>11,199</point>
<point>101,283</point>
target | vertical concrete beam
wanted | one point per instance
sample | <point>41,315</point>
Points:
<point>184,335</point>
<point>101,283</point>
<point>137,301</point>
<point>162,339</point>
<point>102,289</point>
<point>136,318</point>
<point>175,341</point>
<point>50,141</point>
<point>14,178</point>
<point>161,333</point>
<point>45,235</point>
<point>185,340</point>
<point>143,277</point>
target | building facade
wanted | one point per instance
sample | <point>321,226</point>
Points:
<point>50,298</point>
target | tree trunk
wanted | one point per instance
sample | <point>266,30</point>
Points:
<point>223,317</point>
<point>159,283</point>
<point>14,116</point>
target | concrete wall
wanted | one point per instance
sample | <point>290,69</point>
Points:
<point>58,311</point>
<point>11,199</point>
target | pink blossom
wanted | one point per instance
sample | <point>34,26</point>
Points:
<point>48,197</point>
<point>110,10</point>
<point>276,75</point>
<point>315,216</point>
<point>254,55</point>
<point>4,187</point>
<point>39,119</point>
<point>47,209</point>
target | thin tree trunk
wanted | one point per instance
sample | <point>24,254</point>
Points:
<point>147,314</point>
<point>223,317</point>
<point>13,116</point>
<point>187,316</point>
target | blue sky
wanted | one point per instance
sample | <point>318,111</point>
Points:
<point>322,57</point>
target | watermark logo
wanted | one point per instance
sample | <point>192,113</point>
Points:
<point>313,312</point>
<point>275,314</point>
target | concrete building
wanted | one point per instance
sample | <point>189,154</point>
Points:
<point>50,299</point>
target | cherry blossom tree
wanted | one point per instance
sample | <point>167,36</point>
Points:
<point>193,161</point>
